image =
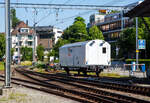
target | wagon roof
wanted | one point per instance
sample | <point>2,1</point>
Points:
<point>78,43</point>
<point>75,44</point>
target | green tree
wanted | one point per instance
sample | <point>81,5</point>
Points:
<point>79,19</point>
<point>12,51</point>
<point>15,20</point>
<point>76,32</point>
<point>40,52</point>
<point>55,50</point>
<point>127,42</point>
<point>2,45</point>
<point>95,33</point>
<point>60,43</point>
<point>145,25</point>
<point>26,53</point>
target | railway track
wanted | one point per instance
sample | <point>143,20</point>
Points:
<point>100,84</point>
<point>43,88</point>
<point>83,91</point>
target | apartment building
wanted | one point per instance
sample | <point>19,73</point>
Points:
<point>47,36</point>
<point>22,35</point>
<point>111,24</point>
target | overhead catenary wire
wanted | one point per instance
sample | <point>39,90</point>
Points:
<point>111,2</point>
<point>67,19</point>
<point>67,1</point>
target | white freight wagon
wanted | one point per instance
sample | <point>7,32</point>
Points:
<point>85,56</point>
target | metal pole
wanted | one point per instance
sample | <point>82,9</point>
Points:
<point>122,20</point>
<point>8,44</point>
<point>19,37</point>
<point>137,50</point>
<point>34,46</point>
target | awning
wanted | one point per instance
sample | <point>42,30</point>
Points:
<point>141,10</point>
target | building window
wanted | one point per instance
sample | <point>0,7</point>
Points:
<point>20,43</point>
<point>19,37</point>
<point>59,31</point>
<point>26,42</point>
<point>16,49</point>
<point>29,43</point>
<point>24,30</point>
<point>104,50</point>
<point>30,37</point>
<point>46,36</point>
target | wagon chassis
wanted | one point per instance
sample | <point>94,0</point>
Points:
<point>84,70</point>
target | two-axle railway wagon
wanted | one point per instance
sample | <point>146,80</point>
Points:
<point>88,56</point>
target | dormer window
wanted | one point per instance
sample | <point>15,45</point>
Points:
<point>59,31</point>
<point>24,30</point>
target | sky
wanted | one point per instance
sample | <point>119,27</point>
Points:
<point>57,18</point>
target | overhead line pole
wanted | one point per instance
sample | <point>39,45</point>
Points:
<point>34,43</point>
<point>137,50</point>
<point>8,44</point>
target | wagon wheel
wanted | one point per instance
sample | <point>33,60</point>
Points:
<point>67,71</point>
<point>78,72</point>
<point>85,73</point>
<point>97,73</point>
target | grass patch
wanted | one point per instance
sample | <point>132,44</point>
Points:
<point>40,70</point>
<point>1,66</point>
<point>3,99</point>
<point>26,63</point>
<point>115,75</point>
<point>18,97</point>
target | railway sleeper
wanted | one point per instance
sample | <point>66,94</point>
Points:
<point>66,90</point>
<point>130,88</point>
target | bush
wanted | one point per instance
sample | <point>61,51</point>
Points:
<point>56,61</point>
<point>41,66</point>
<point>26,63</point>
<point>1,66</point>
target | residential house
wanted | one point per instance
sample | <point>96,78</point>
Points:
<point>22,36</point>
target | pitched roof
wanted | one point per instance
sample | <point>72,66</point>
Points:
<point>20,25</point>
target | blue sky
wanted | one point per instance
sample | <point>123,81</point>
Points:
<point>64,18</point>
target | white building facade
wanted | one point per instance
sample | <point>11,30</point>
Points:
<point>22,36</point>
<point>57,34</point>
